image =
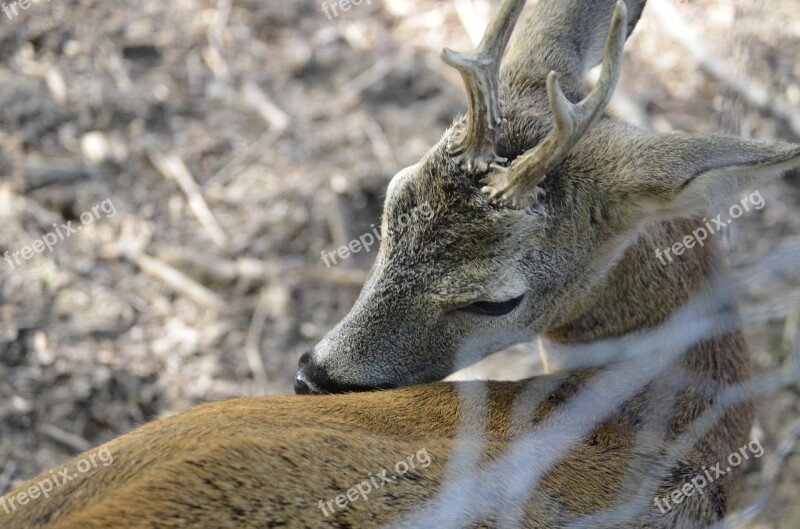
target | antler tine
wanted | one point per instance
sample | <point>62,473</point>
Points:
<point>516,186</point>
<point>472,144</point>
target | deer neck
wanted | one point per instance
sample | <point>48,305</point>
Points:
<point>640,292</point>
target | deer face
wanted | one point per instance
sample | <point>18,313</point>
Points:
<point>524,217</point>
<point>447,287</point>
<point>456,278</point>
<point>480,273</point>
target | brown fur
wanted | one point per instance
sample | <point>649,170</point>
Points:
<point>584,260</point>
<point>266,462</point>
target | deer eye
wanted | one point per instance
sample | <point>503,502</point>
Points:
<point>492,308</point>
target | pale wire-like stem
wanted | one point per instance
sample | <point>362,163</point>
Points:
<point>516,186</point>
<point>472,143</point>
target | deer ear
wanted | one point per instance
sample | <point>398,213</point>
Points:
<point>679,175</point>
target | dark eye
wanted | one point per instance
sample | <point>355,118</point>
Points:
<point>491,308</point>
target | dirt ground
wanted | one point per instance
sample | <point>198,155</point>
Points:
<point>215,149</point>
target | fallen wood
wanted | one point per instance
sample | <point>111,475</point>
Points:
<point>179,282</point>
<point>74,442</point>
<point>173,168</point>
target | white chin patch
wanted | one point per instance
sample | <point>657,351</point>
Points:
<point>478,347</point>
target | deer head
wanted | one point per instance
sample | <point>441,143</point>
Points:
<point>538,202</point>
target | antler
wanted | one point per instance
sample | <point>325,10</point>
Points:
<point>472,144</point>
<point>516,186</point>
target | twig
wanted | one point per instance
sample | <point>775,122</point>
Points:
<point>173,168</point>
<point>352,90</point>
<point>70,440</point>
<point>176,280</point>
<point>15,158</point>
<point>252,343</point>
<point>56,84</point>
<point>42,173</point>
<point>223,270</point>
<point>213,53</point>
<point>344,276</point>
<point>380,145</point>
<point>751,90</point>
<point>337,215</point>
<point>246,155</point>
<point>255,98</point>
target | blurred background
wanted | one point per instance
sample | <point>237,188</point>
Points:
<point>210,151</point>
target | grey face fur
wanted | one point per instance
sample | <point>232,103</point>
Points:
<point>614,195</point>
<point>425,271</point>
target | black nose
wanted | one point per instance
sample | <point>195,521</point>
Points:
<point>313,379</point>
<point>302,383</point>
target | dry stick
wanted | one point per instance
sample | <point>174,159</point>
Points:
<point>751,90</point>
<point>212,54</point>
<point>70,440</point>
<point>246,155</point>
<point>14,155</point>
<point>352,90</point>
<point>220,21</point>
<point>380,145</point>
<point>252,343</point>
<point>348,277</point>
<point>254,269</point>
<point>43,173</point>
<point>226,270</point>
<point>217,65</point>
<point>336,208</point>
<point>179,282</point>
<point>255,98</point>
<point>173,168</point>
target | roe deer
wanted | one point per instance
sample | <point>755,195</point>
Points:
<point>546,217</point>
